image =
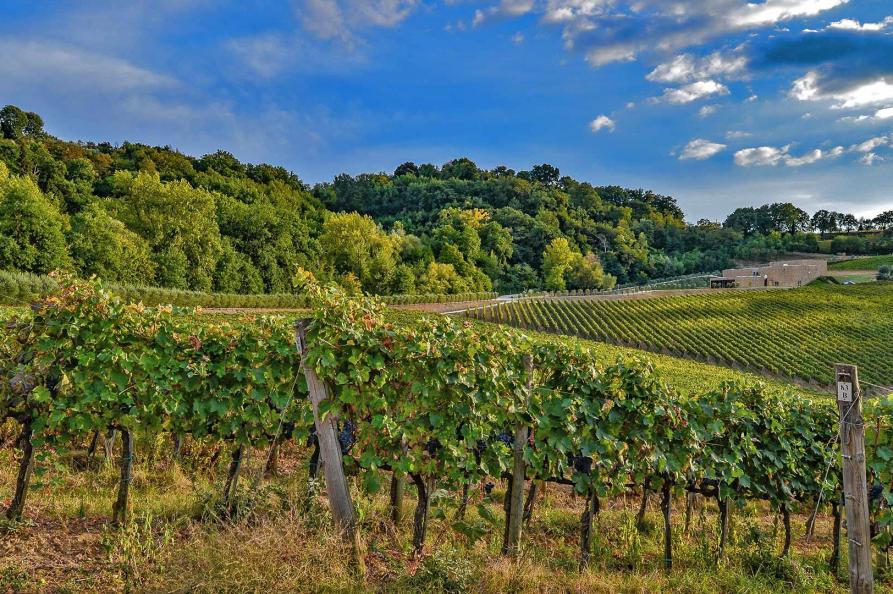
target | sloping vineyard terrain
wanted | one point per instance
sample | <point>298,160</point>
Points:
<point>872,263</point>
<point>429,402</point>
<point>792,333</point>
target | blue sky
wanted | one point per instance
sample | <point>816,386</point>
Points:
<point>721,103</point>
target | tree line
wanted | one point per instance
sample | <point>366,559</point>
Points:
<point>144,215</point>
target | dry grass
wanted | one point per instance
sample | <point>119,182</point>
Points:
<point>176,542</point>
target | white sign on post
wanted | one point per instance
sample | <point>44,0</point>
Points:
<point>844,391</point>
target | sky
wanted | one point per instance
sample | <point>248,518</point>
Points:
<point>719,103</point>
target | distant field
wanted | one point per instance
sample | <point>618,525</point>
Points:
<point>797,333</point>
<point>684,375</point>
<point>872,263</point>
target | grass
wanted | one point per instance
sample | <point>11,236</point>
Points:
<point>872,263</point>
<point>798,333</point>
<point>176,543</point>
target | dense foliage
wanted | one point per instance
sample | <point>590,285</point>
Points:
<point>144,215</point>
<point>429,398</point>
<point>22,288</point>
<point>792,333</point>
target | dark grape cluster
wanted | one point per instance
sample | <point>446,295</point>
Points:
<point>507,438</point>
<point>346,437</point>
<point>581,464</point>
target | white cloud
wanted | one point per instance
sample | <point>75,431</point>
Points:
<point>607,31</point>
<point>505,9</point>
<point>694,91</point>
<point>807,159</point>
<point>811,87</point>
<point>774,11</point>
<point>770,156</point>
<point>68,67</point>
<point>760,156</point>
<point>518,38</point>
<point>602,122</point>
<point>265,55</point>
<point>686,68</point>
<point>700,149</point>
<point>340,20</point>
<point>736,134</point>
<point>854,25</point>
<point>870,144</point>
<point>871,158</point>
<point>707,110</point>
<point>884,114</point>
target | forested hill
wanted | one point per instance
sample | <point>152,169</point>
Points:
<point>149,215</point>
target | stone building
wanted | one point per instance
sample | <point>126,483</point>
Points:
<point>788,273</point>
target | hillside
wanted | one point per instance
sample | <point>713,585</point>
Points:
<point>797,333</point>
<point>142,215</point>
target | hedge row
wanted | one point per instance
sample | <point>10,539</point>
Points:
<point>20,288</point>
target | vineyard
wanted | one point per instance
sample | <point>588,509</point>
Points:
<point>17,288</point>
<point>430,402</point>
<point>872,263</point>
<point>794,333</point>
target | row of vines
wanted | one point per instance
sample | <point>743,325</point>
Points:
<point>24,287</point>
<point>797,333</point>
<point>437,402</point>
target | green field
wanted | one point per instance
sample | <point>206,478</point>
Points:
<point>795,333</point>
<point>872,263</point>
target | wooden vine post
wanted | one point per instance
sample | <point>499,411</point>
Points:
<point>330,452</point>
<point>122,503</point>
<point>852,449</point>
<point>519,472</point>
<point>26,465</point>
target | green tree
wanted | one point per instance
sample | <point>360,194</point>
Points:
<point>556,260</point>
<point>351,242</point>
<point>32,230</point>
<point>179,223</point>
<point>104,246</point>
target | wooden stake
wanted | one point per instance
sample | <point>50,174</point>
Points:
<point>852,448</point>
<point>17,506</point>
<point>397,485</point>
<point>122,503</point>
<point>329,448</point>
<point>519,471</point>
<point>666,507</point>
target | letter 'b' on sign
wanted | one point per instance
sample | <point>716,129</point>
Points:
<point>844,391</point>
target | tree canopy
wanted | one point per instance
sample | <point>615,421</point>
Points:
<point>151,215</point>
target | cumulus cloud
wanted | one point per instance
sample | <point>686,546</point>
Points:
<point>608,31</point>
<point>807,159</point>
<point>700,149</point>
<point>854,25</point>
<point>870,145</point>
<point>602,122</point>
<point>814,87</point>
<point>505,9</point>
<point>707,110</point>
<point>686,67</point>
<point>694,91</point>
<point>760,156</point>
<point>770,156</point>
<point>775,11</point>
